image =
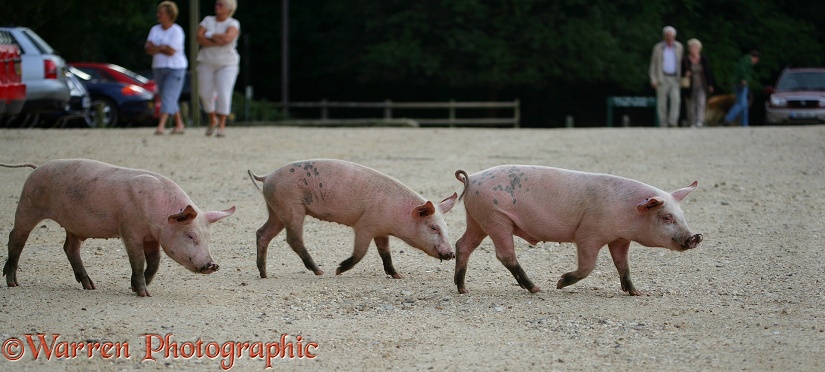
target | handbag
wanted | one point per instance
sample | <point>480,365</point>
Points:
<point>685,82</point>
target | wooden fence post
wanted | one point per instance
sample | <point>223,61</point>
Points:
<point>517,113</point>
<point>452,113</point>
<point>387,109</point>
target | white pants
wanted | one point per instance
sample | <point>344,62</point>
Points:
<point>668,101</point>
<point>216,81</point>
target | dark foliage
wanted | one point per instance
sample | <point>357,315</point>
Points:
<point>560,57</point>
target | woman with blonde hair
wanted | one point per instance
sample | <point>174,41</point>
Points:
<point>696,68</point>
<point>218,63</point>
<point>169,63</point>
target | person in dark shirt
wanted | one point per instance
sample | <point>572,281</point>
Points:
<point>741,78</point>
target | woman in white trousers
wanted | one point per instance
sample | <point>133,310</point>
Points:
<point>218,62</point>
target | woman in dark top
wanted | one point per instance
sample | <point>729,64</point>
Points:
<point>695,66</point>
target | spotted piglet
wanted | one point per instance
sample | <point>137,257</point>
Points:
<point>375,205</point>
<point>543,204</point>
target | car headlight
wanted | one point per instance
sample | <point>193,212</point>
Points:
<point>778,101</point>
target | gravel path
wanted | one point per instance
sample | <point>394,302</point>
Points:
<point>750,297</point>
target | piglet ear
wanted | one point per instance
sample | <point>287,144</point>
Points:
<point>448,203</point>
<point>216,216</point>
<point>422,211</point>
<point>186,216</point>
<point>650,204</point>
<point>682,193</point>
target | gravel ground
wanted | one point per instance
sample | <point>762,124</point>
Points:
<point>750,297</point>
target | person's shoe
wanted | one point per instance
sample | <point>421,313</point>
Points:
<point>177,131</point>
<point>220,133</point>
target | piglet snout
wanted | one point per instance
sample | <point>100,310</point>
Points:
<point>209,268</point>
<point>692,241</point>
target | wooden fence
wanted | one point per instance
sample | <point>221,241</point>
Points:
<point>451,119</point>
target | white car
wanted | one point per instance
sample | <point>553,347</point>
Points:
<point>42,71</point>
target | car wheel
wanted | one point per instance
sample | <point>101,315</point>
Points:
<point>88,119</point>
<point>31,121</point>
<point>108,111</point>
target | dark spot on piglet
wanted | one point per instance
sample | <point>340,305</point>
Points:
<point>495,201</point>
<point>291,170</point>
<point>320,185</point>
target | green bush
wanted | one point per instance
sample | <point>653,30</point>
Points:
<point>255,110</point>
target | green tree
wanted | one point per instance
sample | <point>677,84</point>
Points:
<point>554,54</point>
<point>88,30</point>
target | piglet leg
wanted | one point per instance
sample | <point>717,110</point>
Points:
<point>17,240</point>
<point>134,249</point>
<point>72,249</point>
<point>619,250</point>
<point>271,228</point>
<point>506,254</point>
<point>587,254</point>
<point>464,247</point>
<point>151,251</point>
<point>295,239</point>
<point>383,244</point>
<point>362,243</point>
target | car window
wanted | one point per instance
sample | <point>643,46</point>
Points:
<point>106,75</point>
<point>802,81</point>
<point>7,38</point>
<point>788,83</point>
<point>39,43</point>
<point>134,76</point>
<point>93,74</point>
<point>80,74</point>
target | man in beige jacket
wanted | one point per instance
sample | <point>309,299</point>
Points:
<point>665,71</point>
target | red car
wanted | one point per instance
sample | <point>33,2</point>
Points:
<point>110,72</point>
